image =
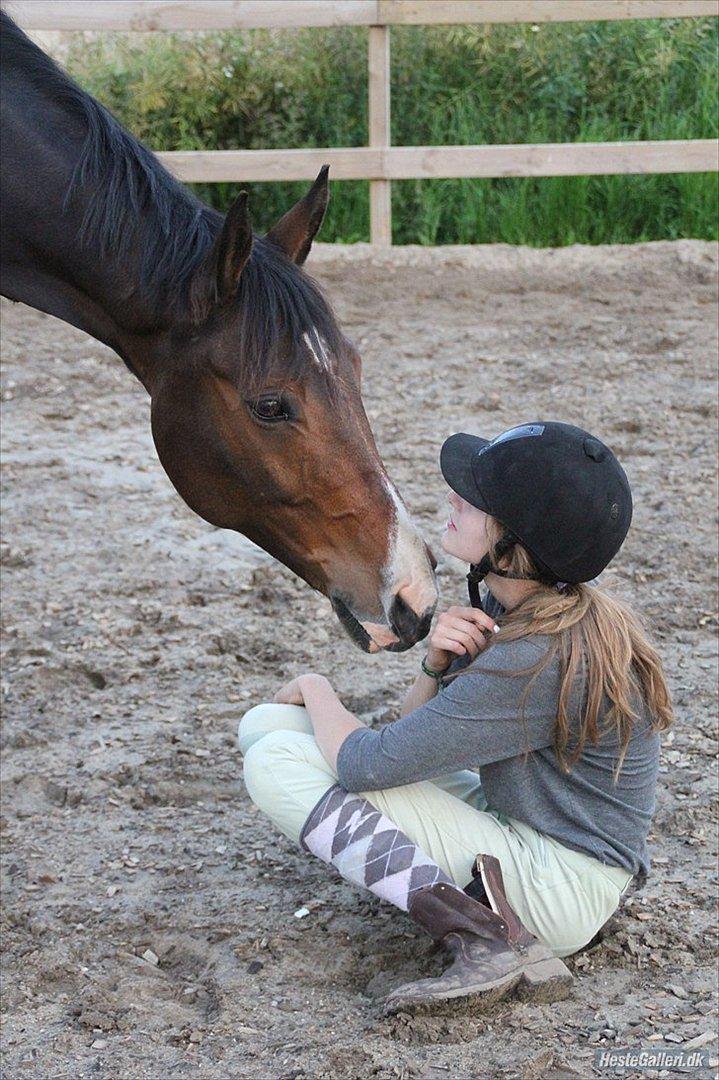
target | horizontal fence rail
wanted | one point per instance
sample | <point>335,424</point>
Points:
<point>148,15</point>
<point>446,162</point>
<point>380,163</point>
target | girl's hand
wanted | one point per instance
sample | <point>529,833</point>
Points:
<point>459,630</point>
<point>290,694</point>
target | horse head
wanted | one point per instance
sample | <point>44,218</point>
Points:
<point>258,420</point>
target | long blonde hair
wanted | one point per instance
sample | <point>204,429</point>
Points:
<point>594,635</point>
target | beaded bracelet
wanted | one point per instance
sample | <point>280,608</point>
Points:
<point>436,675</point>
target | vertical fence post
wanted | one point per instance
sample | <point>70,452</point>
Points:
<point>380,191</point>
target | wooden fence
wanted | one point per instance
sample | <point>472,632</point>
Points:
<point>379,162</point>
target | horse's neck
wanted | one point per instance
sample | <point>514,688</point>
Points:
<point>44,264</point>
<point>39,265</point>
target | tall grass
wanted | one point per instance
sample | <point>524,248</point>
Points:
<point>499,84</point>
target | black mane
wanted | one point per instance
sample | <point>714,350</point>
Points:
<point>278,302</point>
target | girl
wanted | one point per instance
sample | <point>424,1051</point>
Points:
<point>550,689</point>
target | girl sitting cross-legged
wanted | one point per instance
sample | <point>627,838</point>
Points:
<point>507,809</point>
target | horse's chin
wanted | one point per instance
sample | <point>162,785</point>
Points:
<point>383,639</point>
<point>370,637</point>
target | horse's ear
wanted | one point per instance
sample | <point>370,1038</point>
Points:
<point>295,232</point>
<point>218,277</point>
<point>232,248</point>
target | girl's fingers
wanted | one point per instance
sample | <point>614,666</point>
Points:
<point>463,630</point>
<point>462,633</point>
<point>482,619</point>
<point>478,630</point>
<point>463,626</point>
<point>289,694</point>
<point>442,643</point>
<point>457,642</point>
<point>452,647</point>
<point>475,616</point>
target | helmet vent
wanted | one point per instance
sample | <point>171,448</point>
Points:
<point>594,450</point>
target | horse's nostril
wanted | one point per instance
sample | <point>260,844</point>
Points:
<point>423,625</point>
<point>409,626</point>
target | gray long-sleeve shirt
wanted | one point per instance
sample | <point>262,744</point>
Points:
<point>475,722</point>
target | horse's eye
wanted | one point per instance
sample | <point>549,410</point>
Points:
<point>270,408</point>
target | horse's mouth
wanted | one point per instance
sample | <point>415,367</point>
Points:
<point>354,628</point>
<point>359,635</point>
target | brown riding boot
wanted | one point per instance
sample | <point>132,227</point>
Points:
<point>492,951</point>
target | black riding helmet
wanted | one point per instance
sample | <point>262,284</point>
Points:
<point>555,488</point>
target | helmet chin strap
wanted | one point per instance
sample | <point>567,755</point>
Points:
<point>487,565</point>
<point>476,574</point>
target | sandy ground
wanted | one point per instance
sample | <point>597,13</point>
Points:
<point>149,926</point>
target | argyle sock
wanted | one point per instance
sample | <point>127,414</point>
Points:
<point>367,848</point>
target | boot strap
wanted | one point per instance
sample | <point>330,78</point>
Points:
<point>488,870</point>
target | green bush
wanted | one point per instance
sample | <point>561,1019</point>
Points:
<point>573,82</point>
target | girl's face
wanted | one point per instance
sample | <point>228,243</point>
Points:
<point>465,533</point>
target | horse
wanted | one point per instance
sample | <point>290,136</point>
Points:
<point>256,406</point>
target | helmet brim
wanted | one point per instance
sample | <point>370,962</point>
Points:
<point>455,461</point>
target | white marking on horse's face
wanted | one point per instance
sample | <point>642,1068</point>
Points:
<point>406,572</point>
<point>407,569</point>
<point>318,348</point>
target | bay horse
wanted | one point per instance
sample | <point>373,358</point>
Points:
<point>256,407</point>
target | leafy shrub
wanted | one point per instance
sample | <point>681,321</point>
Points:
<point>571,82</point>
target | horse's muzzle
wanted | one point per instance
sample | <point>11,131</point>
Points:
<point>403,630</point>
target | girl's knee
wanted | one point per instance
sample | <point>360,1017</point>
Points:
<point>258,778</point>
<point>271,761</point>
<point>252,726</point>
<point>262,719</point>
